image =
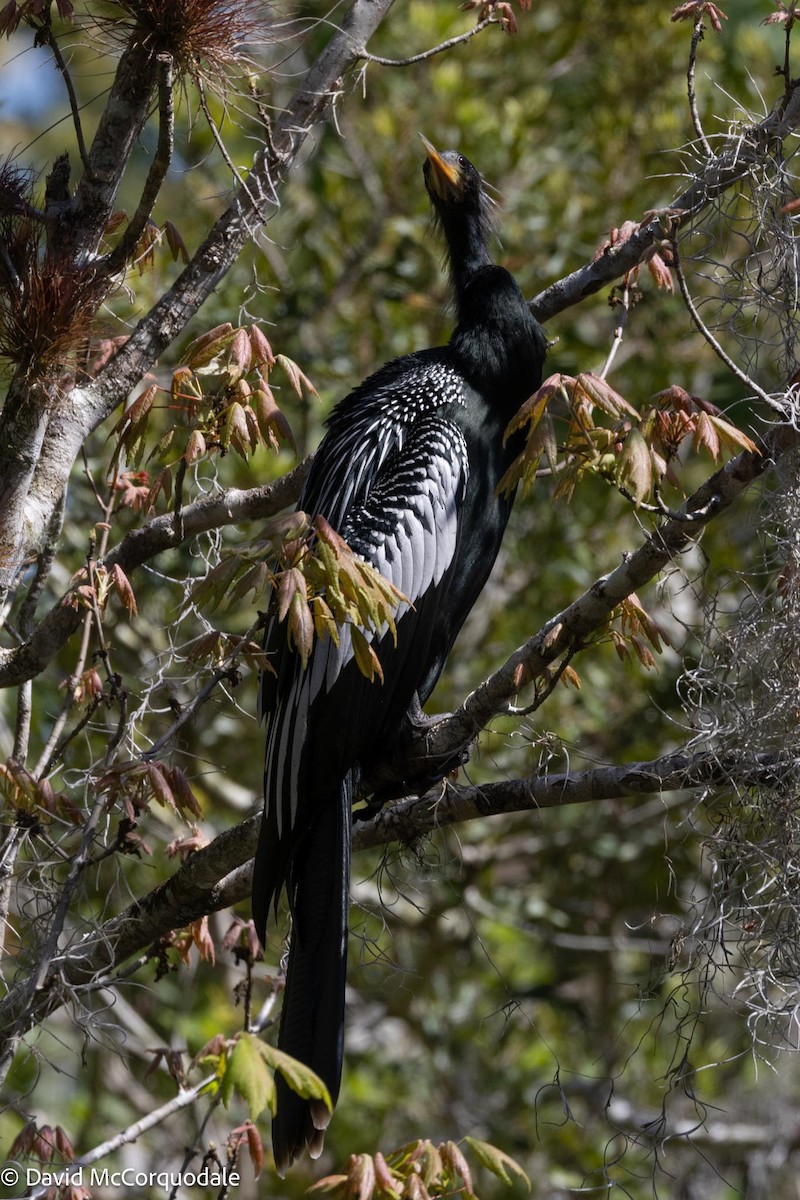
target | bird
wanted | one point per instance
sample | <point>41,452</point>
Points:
<point>407,473</point>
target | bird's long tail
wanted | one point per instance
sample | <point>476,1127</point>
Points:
<point>312,1018</point>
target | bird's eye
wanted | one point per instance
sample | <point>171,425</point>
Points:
<point>462,162</point>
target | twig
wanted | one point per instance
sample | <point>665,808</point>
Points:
<point>58,750</point>
<point>8,859</point>
<point>47,757</point>
<point>11,271</point>
<point>22,724</point>
<point>37,981</point>
<point>787,54</point>
<point>226,672</point>
<point>216,511</point>
<point>223,149</point>
<point>697,37</point>
<point>735,161</point>
<point>415,58</point>
<point>45,35</point>
<point>119,732</point>
<point>183,1099</point>
<point>553,677</point>
<point>44,566</point>
<point>619,331</point>
<point>53,747</point>
<point>702,328</point>
<point>660,509</point>
<point>177,507</point>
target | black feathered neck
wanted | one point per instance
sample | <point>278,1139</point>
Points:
<point>464,215</point>
<point>497,339</point>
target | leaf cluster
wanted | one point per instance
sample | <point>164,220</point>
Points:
<point>220,399</point>
<point>420,1171</point>
<point>318,586</point>
<point>247,1068</point>
<point>608,437</point>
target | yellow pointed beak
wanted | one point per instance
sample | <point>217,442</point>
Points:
<point>445,177</point>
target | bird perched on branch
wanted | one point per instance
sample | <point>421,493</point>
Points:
<point>407,473</point>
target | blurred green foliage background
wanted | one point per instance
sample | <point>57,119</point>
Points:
<point>531,979</point>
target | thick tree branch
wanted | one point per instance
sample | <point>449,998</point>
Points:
<point>155,176</point>
<point>220,874</point>
<point>450,805</point>
<point>80,412</point>
<point>568,631</point>
<point>122,121</point>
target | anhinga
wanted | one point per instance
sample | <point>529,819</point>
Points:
<point>407,473</point>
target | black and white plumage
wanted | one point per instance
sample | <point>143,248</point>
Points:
<point>407,473</point>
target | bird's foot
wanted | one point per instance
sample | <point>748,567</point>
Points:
<point>400,771</point>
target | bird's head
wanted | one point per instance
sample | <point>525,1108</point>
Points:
<point>461,204</point>
<point>451,179</point>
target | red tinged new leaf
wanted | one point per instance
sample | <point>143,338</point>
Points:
<point>203,940</point>
<point>301,627</point>
<point>296,378</point>
<point>185,799</point>
<point>600,394</point>
<point>161,483</point>
<point>255,1148</point>
<point>45,1144</point>
<point>161,789</point>
<point>205,349</point>
<point>240,355</point>
<point>786,15</point>
<point>706,435</point>
<point>176,243</point>
<point>236,432</point>
<point>635,468</point>
<point>123,588</point>
<point>195,447</point>
<point>329,536</point>
<point>660,271</point>
<point>732,437</point>
<point>135,415</point>
<point>262,351</point>
<point>292,583</point>
<point>696,9</point>
<point>270,418</point>
<point>64,1145</point>
<point>10,17</point>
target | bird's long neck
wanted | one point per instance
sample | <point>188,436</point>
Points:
<point>499,344</point>
<point>465,234</point>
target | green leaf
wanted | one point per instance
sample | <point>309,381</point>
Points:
<point>247,1073</point>
<point>635,467</point>
<point>366,658</point>
<point>300,1078</point>
<point>496,1161</point>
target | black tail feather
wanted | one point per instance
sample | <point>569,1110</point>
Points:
<point>312,1018</point>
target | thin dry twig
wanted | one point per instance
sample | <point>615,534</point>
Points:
<point>424,54</point>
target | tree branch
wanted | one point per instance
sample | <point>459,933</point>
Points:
<point>448,45</point>
<point>732,164</point>
<point>26,660</point>
<point>220,874</point>
<point>118,257</point>
<point>80,411</point>
<point>568,631</point>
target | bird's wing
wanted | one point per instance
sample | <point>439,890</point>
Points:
<point>321,720</point>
